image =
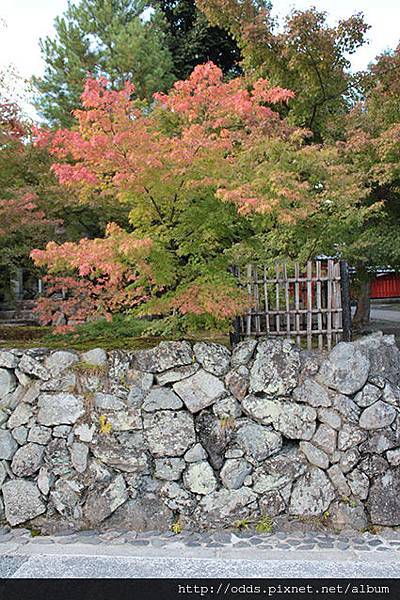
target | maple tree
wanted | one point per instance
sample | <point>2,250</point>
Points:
<point>34,208</point>
<point>211,174</point>
<point>306,55</point>
<point>372,149</point>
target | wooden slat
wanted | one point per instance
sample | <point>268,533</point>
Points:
<point>250,293</point>
<point>287,299</point>
<point>267,324</point>
<point>338,301</point>
<point>304,305</point>
<point>257,313</point>
<point>309,305</point>
<point>277,306</point>
<point>319,303</point>
<point>297,302</point>
<point>329,306</point>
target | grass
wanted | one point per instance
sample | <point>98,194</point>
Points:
<point>123,333</point>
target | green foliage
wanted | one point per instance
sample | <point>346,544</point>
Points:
<point>177,527</point>
<point>120,327</point>
<point>264,525</point>
<point>104,425</point>
<point>35,532</point>
<point>101,37</point>
<point>305,54</point>
<point>193,41</point>
<point>228,423</point>
<point>84,368</point>
<point>242,524</point>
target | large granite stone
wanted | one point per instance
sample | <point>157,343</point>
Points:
<point>97,357</point>
<point>22,501</point>
<point>8,360</point>
<point>169,469</point>
<point>199,478</point>
<point>368,395</point>
<point>200,390</point>
<point>8,446</point>
<point>383,501</point>
<point>160,398</point>
<point>214,358</point>
<point>350,436</point>
<point>169,433</point>
<point>295,421</point>
<point>276,368</point>
<point>257,441</point>
<point>359,483</point>
<point>31,366</point>
<point>383,355</point>
<point>348,516</point>
<point>234,473</point>
<point>237,382</point>
<point>59,409</point>
<point>279,470</point>
<point>312,393</point>
<point>312,494</point>
<point>345,370</point>
<point>121,457</point>
<point>143,513</point>
<point>214,435</point>
<point>176,374</point>
<point>167,355</point>
<point>59,361</point>
<point>27,460</point>
<point>271,503</point>
<point>20,416</point>
<point>8,382</point>
<point>224,507</point>
<point>101,503</point>
<point>79,456</point>
<point>178,499</point>
<point>377,416</point>
<point>243,352</point>
<point>325,438</point>
<point>339,480</point>
<point>65,498</point>
<point>315,455</point>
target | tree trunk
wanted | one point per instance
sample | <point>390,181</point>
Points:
<point>362,315</point>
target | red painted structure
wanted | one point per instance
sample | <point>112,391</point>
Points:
<point>386,285</point>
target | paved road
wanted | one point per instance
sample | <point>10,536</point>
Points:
<point>385,314</point>
<point>91,566</point>
<point>144,567</point>
<point>202,556</point>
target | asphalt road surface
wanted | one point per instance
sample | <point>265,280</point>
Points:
<point>113,561</point>
<point>43,566</point>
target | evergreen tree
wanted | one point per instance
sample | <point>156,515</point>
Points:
<point>101,37</point>
<point>193,41</point>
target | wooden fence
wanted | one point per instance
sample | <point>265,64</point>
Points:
<point>310,303</point>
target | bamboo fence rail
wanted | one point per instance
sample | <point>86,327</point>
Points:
<point>308,303</point>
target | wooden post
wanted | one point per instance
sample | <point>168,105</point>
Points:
<point>234,335</point>
<point>249,271</point>
<point>346,308</point>
<point>309,305</point>
<point>297,301</point>
<point>277,302</point>
<point>318,292</point>
<point>266,301</point>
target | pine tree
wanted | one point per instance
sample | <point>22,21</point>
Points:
<point>101,37</point>
<point>193,41</point>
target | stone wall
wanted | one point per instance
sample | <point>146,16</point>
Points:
<point>201,435</point>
